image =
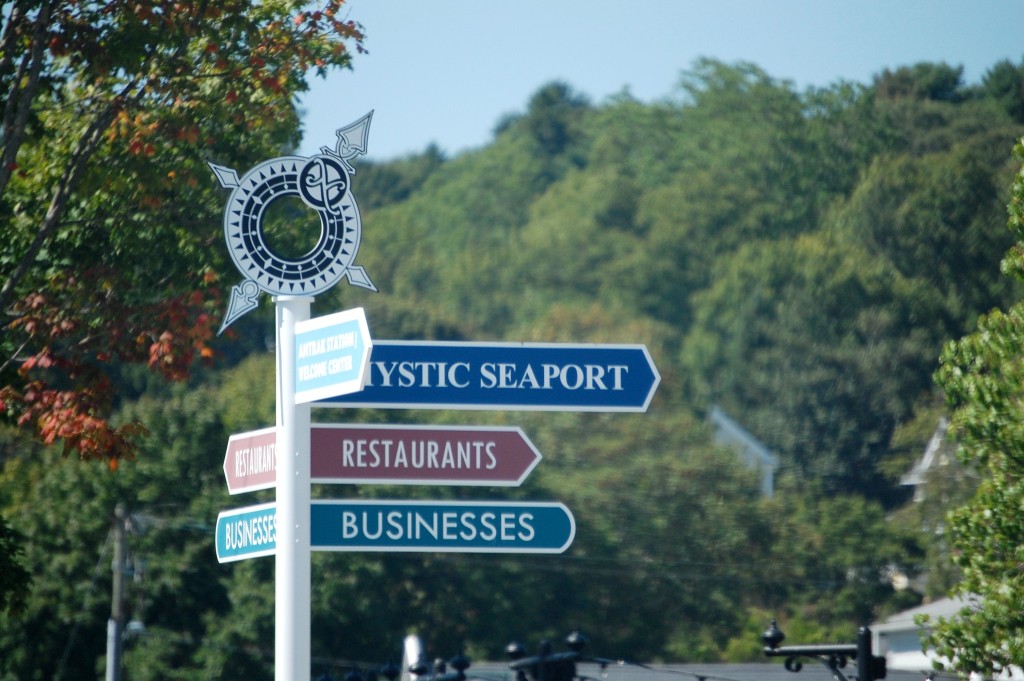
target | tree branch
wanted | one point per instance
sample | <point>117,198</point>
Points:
<point>79,160</point>
<point>65,186</point>
<point>20,99</point>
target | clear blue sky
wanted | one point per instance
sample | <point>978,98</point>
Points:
<point>445,71</point>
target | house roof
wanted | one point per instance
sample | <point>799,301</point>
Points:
<point>731,433</point>
<point>904,621</point>
<point>759,671</point>
<point>916,475</point>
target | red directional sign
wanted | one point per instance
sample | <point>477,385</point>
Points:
<point>389,454</point>
<point>250,462</point>
<point>421,455</point>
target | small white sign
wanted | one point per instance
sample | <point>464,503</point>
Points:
<point>332,355</point>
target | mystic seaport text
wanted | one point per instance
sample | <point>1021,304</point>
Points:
<point>498,375</point>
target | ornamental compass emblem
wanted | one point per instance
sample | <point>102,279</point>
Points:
<point>322,182</point>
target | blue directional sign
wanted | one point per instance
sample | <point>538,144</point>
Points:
<point>246,533</point>
<point>332,355</point>
<point>441,526</point>
<point>515,376</point>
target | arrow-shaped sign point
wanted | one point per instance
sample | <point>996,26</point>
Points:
<point>250,462</point>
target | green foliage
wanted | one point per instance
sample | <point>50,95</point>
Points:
<point>927,81</point>
<point>552,117</point>
<point>172,493</point>
<point>846,546</point>
<point>383,183</point>
<point>111,112</point>
<point>981,374</point>
<point>1004,83</point>
<point>248,396</point>
<point>807,344</point>
<point>914,213</point>
<point>14,578</point>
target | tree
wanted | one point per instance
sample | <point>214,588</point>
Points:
<point>813,346</point>
<point>831,559</point>
<point>381,184</point>
<point>14,578</point>
<point>1004,83</point>
<point>940,82</point>
<point>179,591</point>
<point>110,112</point>
<point>552,112</point>
<point>751,160</point>
<point>929,218</point>
<point>983,378</point>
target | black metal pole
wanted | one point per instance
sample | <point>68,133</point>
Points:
<point>864,654</point>
<point>833,656</point>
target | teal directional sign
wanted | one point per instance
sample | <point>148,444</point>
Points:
<point>442,526</point>
<point>332,355</point>
<point>246,533</point>
<point>518,376</point>
<point>403,526</point>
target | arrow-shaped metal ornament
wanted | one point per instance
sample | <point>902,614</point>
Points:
<point>322,181</point>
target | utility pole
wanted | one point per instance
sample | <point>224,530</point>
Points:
<point>115,625</point>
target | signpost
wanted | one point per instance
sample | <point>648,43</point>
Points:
<point>514,376</point>
<point>315,359</point>
<point>327,361</point>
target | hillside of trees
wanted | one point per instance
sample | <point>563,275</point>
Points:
<point>797,259</point>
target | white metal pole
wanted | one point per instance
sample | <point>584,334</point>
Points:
<point>292,579</point>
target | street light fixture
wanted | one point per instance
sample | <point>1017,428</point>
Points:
<point>547,665</point>
<point>460,663</point>
<point>833,656</point>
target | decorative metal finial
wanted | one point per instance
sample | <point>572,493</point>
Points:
<point>773,636</point>
<point>322,182</point>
